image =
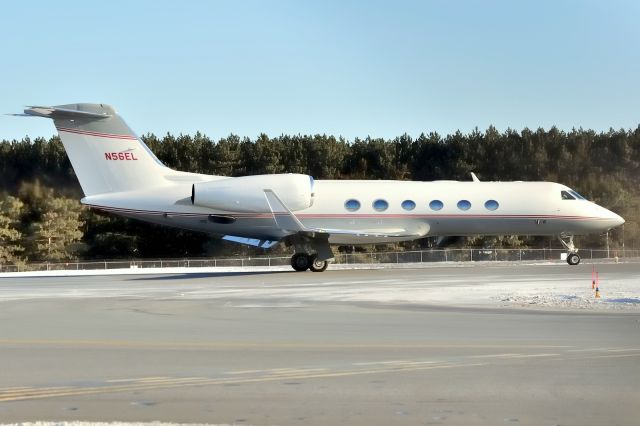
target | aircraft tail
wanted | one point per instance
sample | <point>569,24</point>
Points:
<point>105,153</point>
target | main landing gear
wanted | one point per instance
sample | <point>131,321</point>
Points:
<point>573,258</point>
<point>312,252</point>
<point>303,261</point>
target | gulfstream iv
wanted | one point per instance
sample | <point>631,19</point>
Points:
<point>119,174</point>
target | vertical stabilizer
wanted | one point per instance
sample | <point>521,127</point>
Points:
<point>105,153</point>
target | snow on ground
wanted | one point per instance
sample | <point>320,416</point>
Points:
<point>104,424</point>
<point>473,285</point>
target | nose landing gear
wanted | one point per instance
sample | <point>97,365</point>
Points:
<point>573,258</point>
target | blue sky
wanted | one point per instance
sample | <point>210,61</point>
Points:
<point>350,68</point>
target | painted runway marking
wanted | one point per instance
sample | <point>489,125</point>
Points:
<point>19,393</point>
<point>533,355</point>
<point>590,350</point>
<point>379,362</point>
<point>232,344</point>
<point>153,379</point>
<point>613,356</point>
<point>493,356</point>
<point>195,381</point>
<point>624,350</point>
<point>244,372</point>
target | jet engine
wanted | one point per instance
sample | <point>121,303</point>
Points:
<point>246,194</point>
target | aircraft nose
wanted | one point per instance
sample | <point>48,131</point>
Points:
<point>613,219</point>
<point>617,220</point>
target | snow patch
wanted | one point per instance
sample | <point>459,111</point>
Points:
<point>108,424</point>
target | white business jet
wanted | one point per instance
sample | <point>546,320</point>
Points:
<point>119,174</point>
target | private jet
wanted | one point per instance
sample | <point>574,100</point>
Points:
<point>119,174</point>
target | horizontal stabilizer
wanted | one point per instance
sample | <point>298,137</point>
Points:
<point>106,155</point>
<point>57,112</point>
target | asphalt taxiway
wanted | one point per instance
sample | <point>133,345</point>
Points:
<point>445,345</point>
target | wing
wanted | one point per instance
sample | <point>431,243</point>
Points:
<point>287,220</point>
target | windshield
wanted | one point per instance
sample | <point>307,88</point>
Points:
<point>578,196</point>
<point>571,195</point>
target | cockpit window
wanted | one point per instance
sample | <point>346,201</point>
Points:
<point>578,196</point>
<point>567,196</point>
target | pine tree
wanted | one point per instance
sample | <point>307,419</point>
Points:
<point>10,236</point>
<point>57,229</point>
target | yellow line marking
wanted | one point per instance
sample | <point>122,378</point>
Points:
<point>407,363</point>
<point>218,381</point>
<point>152,379</point>
<point>493,356</point>
<point>278,370</point>
<point>612,356</point>
<point>379,362</point>
<point>533,355</point>
<point>244,372</point>
<point>217,345</point>
<point>624,350</point>
<point>286,374</point>
<point>590,350</point>
<point>32,391</point>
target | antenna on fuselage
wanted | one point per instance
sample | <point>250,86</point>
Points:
<point>474,177</point>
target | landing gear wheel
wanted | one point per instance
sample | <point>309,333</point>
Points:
<point>300,262</point>
<point>318,265</point>
<point>572,256</point>
<point>573,259</point>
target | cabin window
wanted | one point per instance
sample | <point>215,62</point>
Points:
<point>380,205</point>
<point>491,205</point>
<point>408,205</point>
<point>352,205</point>
<point>464,205</point>
<point>567,196</point>
<point>436,205</point>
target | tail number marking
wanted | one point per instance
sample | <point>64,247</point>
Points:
<point>120,156</point>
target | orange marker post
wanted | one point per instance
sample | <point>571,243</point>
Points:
<point>593,277</point>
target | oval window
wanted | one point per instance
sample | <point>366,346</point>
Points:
<point>352,205</point>
<point>491,205</point>
<point>408,205</point>
<point>436,205</point>
<point>464,205</point>
<point>380,205</point>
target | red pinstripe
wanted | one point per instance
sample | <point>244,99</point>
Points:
<point>96,134</point>
<point>346,216</point>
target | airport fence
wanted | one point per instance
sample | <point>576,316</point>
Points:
<point>393,257</point>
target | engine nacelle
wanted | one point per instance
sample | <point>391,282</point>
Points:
<point>246,194</point>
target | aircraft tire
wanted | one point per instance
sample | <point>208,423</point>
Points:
<point>573,259</point>
<point>318,265</point>
<point>301,262</point>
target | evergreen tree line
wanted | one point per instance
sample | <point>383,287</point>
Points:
<point>42,219</point>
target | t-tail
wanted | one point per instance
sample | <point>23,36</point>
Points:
<point>105,153</point>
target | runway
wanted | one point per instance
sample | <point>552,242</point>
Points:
<point>444,345</point>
